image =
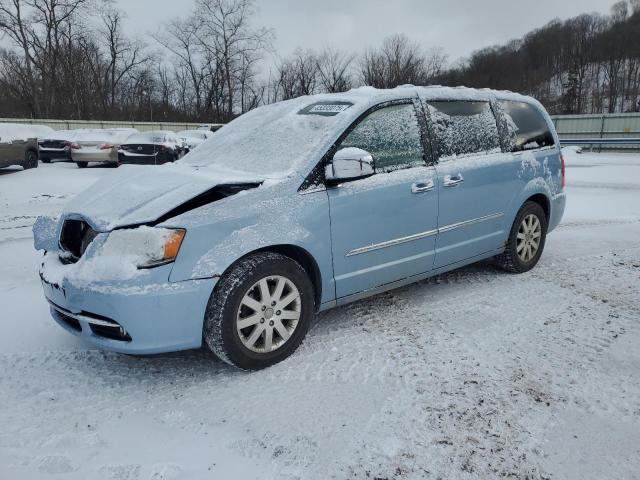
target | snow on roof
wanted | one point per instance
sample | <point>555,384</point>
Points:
<point>22,131</point>
<point>274,140</point>
<point>153,136</point>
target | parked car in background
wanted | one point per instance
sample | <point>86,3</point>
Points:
<point>97,145</point>
<point>19,144</point>
<point>193,138</point>
<point>211,127</point>
<point>298,207</point>
<point>151,148</point>
<point>56,145</point>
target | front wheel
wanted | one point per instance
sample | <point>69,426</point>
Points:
<point>526,240</point>
<point>260,311</point>
<point>30,160</point>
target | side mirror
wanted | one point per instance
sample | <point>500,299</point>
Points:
<point>349,164</point>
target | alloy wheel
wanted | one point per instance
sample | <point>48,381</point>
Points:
<point>528,238</point>
<point>269,313</point>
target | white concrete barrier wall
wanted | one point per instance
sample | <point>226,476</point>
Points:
<point>74,124</point>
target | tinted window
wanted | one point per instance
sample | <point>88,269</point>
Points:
<point>391,135</point>
<point>527,128</point>
<point>464,128</point>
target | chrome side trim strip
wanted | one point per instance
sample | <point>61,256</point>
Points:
<point>418,236</point>
<point>390,243</point>
<point>384,265</point>
<point>466,223</point>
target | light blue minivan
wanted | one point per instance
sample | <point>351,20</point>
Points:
<point>297,207</point>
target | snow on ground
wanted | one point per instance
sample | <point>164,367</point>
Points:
<point>473,374</point>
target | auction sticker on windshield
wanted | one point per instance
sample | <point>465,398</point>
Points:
<point>325,108</point>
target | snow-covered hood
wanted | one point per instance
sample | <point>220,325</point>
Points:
<point>137,194</point>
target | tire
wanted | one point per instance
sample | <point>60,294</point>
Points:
<point>241,283</point>
<point>46,160</point>
<point>515,259</point>
<point>82,164</point>
<point>30,160</point>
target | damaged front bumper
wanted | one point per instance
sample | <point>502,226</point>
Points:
<point>145,315</point>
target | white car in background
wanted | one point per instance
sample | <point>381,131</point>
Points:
<point>192,138</point>
<point>97,145</point>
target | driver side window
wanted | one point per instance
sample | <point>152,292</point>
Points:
<point>391,135</point>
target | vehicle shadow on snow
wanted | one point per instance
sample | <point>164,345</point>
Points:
<point>10,170</point>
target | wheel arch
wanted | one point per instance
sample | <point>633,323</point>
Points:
<point>542,200</point>
<point>305,259</point>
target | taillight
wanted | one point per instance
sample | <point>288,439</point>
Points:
<point>562,171</point>
<point>73,145</point>
<point>106,146</point>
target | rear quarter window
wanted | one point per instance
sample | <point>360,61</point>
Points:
<point>463,128</point>
<point>526,128</point>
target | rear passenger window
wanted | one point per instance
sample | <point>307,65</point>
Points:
<point>526,127</point>
<point>391,135</point>
<point>464,128</point>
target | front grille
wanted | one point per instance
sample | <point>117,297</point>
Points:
<point>115,332</point>
<point>99,325</point>
<point>66,319</point>
<point>75,237</point>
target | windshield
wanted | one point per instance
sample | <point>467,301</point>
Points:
<point>270,140</point>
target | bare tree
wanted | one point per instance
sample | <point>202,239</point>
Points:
<point>228,38</point>
<point>333,67</point>
<point>297,75</point>
<point>399,61</point>
<point>123,54</point>
<point>14,24</point>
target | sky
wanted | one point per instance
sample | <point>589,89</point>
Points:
<point>459,26</point>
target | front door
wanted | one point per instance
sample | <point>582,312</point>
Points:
<point>384,227</point>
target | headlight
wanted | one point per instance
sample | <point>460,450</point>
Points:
<point>144,246</point>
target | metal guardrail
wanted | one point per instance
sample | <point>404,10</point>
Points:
<point>600,141</point>
<point>74,124</point>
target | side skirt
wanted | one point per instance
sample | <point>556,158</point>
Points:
<point>407,281</point>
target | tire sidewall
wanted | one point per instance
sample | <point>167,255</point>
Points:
<point>30,160</point>
<point>234,351</point>
<point>528,209</point>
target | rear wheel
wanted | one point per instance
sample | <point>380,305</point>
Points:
<point>82,164</point>
<point>30,159</point>
<point>260,311</point>
<point>526,239</point>
<point>46,160</point>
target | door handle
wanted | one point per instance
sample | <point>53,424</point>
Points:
<point>422,186</point>
<point>453,180</point>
